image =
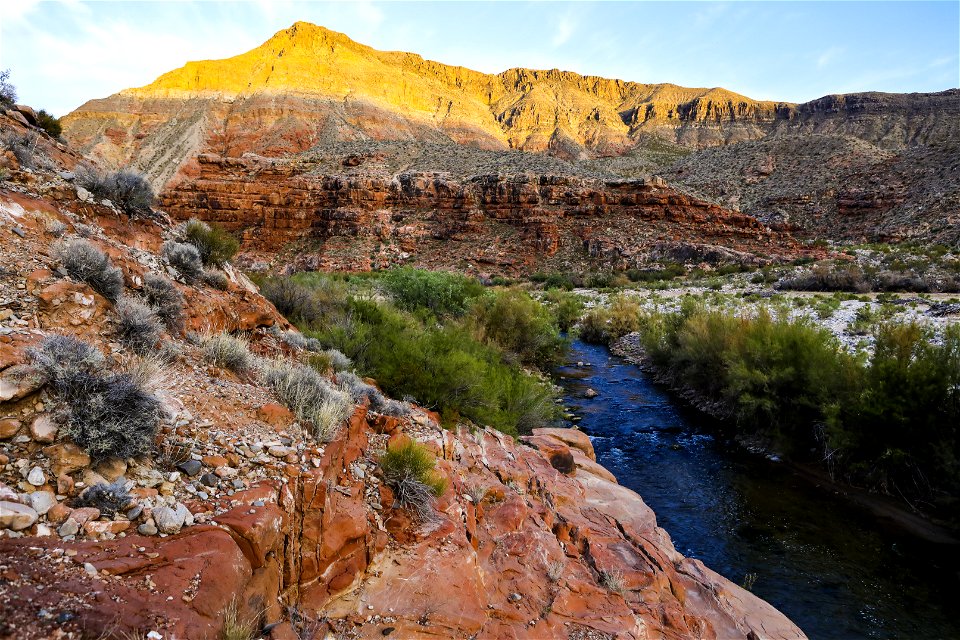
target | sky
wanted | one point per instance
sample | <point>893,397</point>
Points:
<point>62,53</point>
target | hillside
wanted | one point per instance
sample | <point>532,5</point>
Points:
<point>156,481</point>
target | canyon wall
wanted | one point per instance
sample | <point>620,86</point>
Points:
<point>495,224</point>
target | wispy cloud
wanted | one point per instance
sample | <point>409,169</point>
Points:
<point>828,56</point>
<point>566,27</point>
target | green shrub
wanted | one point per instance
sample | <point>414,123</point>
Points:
<point>215,245</point>
<point>410,470</point>
<point>109,415</point>
<point>440,293</point>
<point>85,262</point>
<point>49,123</point>
<point>519,325</point>
<point>603,325</point>
<point>8,93</point>
<point>566,308</point>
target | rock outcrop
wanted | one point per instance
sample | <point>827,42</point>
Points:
<point>499,224</point>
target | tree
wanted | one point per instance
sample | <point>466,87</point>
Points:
<point>8,93</point>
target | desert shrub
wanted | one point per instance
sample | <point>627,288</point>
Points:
<point>603,325</point>
<point>441,293</point>
<point>827,277</point>
<point>185,259</point>
<point>351,384</point>
<point>8,93</point>
<point>519,325</point>
<point>23,147</point>
<point>138,327</point>
<point>228,352</point>
<point>110,415</point>
<point>554,280</point>
<point>297,340</point>
<point>566,308</point>
<point>668,271</point>
<point>308,395</point>
<point>899,433</point>
<point>216,279</point>
<point>215,244</point>
<point>312,303</point>
<point>108,498</point>
<point>613,581</point>
<point>49,123</point>
<point>127,189</point>
<point>410,470</point>
<point>85,262</point>
<point>338,361</point>
<point>165,299</point>
<point>442,366</point>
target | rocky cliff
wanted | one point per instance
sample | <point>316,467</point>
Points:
<point>239,517</point>
<point>288,214</point>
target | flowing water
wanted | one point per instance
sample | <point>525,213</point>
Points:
<point>828,566</point>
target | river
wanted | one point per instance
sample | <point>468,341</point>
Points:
<point>834,570</point>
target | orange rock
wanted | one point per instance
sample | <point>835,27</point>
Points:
<point>275,415</point>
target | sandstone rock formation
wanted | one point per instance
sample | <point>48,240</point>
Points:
<point>485,224</point>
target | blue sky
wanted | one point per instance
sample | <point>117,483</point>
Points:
<point>62,53</point>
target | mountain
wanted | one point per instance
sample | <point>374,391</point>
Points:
<point>309,86</point>
<point>866,166</point>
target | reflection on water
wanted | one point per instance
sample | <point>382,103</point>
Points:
<point>818,559</point>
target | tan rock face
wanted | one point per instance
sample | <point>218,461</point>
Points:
<point>487,223</point>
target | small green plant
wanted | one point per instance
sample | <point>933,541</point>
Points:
<point>749,580</point>
<point>235,628</point>
<point>85,262</point>
<point>410,470</point>
<point>215,245</point>
<point>555,570</point>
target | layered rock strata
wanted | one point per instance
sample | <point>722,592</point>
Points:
<point>513,224</point>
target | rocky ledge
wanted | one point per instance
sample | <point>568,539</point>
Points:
<point>361,220</point>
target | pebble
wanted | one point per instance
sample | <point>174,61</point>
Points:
<point>36,477</point>
<point>68,528</point>
<point>147,529</point>
<point>190,467</point>
<point>41,501</point>
<point>89,568</point>
<point>209,480</point>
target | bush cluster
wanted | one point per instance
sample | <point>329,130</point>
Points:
<point>410,470</point>
<point>185,259</point>
<point>23,147</point>
<point>439,292</point>
<point>442,362</point>
<point>888,421</point>
<point>519,325</point>
<point>85,262</point>
<point>127,189</point>
<point>566,307</point>
<point>229,352</point>
<point>900,276</point>
<point>49,123</point>
<point>109,415</point>
<point>603,325</point>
